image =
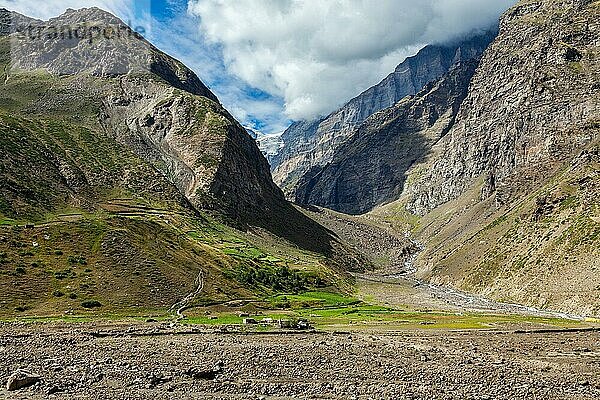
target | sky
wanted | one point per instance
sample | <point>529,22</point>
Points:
<point>272,62</point>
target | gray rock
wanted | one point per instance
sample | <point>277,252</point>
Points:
<point>371,168</point>
<point>21,379</point>
<point>530,108</point>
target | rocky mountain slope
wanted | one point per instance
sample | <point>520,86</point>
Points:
<point>155,106</point>
<point>313,143</point>
<point>369,169</point>
<point>125,184</point>
<point>507,201</point>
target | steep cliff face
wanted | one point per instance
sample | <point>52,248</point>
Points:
<point>508,199</point>
<point>532,105</point>
<point>370,168</point>
<point>313,143</point>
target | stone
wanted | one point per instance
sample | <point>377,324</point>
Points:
<point>21,379</point>
<point>54,389</point>
<point>206,374</point>
<point>158,379</point>
<point>371,168</point>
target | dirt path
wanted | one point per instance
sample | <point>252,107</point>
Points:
<point>184,304</point>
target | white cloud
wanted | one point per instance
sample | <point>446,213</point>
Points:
<point>316,54</point>
<point>309,55</point>
<point>51,8</point>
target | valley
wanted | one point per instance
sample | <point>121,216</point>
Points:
<point>435,237</point>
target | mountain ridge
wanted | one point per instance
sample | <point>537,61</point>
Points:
<point>506,203</point>
<point>137,178</point>
<point>370,169</point>
<point>312,143</point>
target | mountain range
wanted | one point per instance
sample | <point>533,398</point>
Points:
<point>490,158</point>
<point>309,144</point>
<point>126,185</point>
<point>121,170</point>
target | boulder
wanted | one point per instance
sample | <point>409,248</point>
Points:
<point>205,373</point>
<point>21,379</point>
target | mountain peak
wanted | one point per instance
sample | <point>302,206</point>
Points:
<point>11,21</point>
<point>95,42</point>
<point>89,14</point>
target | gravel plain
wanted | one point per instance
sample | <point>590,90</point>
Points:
<point>158,361</point>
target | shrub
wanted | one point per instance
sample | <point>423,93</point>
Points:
<point>57,293</point>
<point>73,296</point>
<point>20,270</point>
<point>67,273</point>
<point>77,260</point>
<point>91,304</point>
<point>277,278</point>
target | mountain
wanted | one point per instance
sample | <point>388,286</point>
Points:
<point>309,144</point>
<point>125,182</point>
<point>369,169</point>
<point>269,143</point>
<point>507,201</point>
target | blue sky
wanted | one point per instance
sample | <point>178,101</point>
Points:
<point>274,61</point>
<point>177,32</point>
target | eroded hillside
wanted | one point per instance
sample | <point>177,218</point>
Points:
<point>509,197</point>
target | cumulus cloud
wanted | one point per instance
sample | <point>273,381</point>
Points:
<point>270,61</point>
<point>317,54</point>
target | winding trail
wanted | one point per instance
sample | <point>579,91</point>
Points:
<point>184,304</point>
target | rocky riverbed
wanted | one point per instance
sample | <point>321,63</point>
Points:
<point>87,361</point>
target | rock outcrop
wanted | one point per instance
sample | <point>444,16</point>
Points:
<point>21,379</point>
<point>308,144</point>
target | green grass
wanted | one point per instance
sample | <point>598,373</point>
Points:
<point>7,221</point>
<point>234,318</point>
<point>315,299</point>
<point>75,261</point>
<point>331,311</point>
<point>365,315</point>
